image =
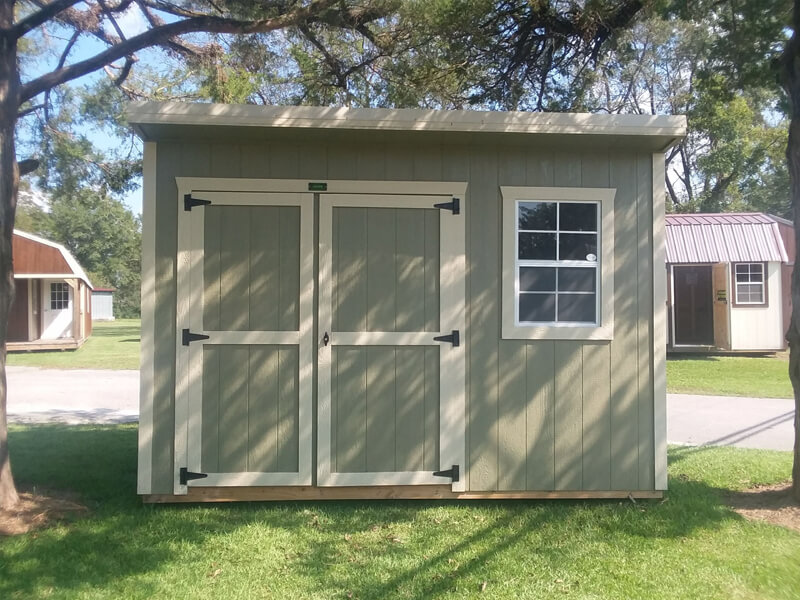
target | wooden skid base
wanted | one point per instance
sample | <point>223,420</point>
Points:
<point>399,492</point>
<point>42,345</point>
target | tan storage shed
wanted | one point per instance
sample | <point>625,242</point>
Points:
<point>371,303</point>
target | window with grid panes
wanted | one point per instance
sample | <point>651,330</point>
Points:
<point>59,296</point>
<point>749,281</point>
<point>557,262</point>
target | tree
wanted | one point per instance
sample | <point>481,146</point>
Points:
<point>790,67</point>
<point>683,60</point>
<point>524,45</point>
<point>165,23</point>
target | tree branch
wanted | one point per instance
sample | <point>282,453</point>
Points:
<point>162,35</point>
<point>40,17</point>
<point>29,111</point>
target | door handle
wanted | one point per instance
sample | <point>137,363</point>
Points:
<point>325,339</point>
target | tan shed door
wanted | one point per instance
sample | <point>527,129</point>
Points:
<point>390,396</point>
<point>719,277</point>
<point>244,359</point>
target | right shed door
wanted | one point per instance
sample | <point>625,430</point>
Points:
<point>391,396</point>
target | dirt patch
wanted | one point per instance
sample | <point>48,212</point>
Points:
<point>771,503</point>
<point>35,511</point>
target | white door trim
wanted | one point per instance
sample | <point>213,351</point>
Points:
<point>452,418</point>
<point>189,359</point>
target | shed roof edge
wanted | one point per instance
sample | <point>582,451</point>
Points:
<point>310,117</point>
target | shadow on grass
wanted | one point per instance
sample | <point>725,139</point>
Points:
<point>452,541</point>
<point>125,331</point>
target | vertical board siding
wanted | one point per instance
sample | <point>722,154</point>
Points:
<point>596,402</point>
<point>541,415</point>
<point>386,404</point>
<point>483,318</point>
<point>540,392</point>
<point>644,217</point>
<point>568,416</point>
<point>349,263</point>
<point>251,268</point>
<point>596,426</point>
<point>624,350</point>
<point>386,269</point>
<point>250,409</point>
<point>512,394</point>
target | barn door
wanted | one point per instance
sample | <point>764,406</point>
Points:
<point>244,358</point>
<point>391,351</point>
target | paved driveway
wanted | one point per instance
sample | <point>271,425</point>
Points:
<point>66,396</point>
<point>84,396</point>
<point>730,421</point>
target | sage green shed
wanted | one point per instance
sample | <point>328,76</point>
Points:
<point>356,303</point>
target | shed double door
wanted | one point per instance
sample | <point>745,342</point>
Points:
<point>390,397</point>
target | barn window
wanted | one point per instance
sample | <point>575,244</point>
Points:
<point>749,281</point>
<point>59,296</point>
<point>557,263</point>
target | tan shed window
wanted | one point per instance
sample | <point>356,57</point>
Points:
<point>558,263</point>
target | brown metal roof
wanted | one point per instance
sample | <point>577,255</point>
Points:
<point>724,237</point>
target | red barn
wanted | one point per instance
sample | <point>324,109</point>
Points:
<point>52,309</point>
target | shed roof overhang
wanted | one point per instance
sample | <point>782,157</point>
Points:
<point>158,121</point>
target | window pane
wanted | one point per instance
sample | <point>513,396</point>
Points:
<point>537,307</point>
<point>577,216</point>
<point>756,273</point>
<point>537,279</point>
<point>742,268</point>
<point>537,215</point>
<point>742,277</point>
<point>750,292</point>
<point>577,246</point>
<point>576,279</point>
<point>576,308</point>
<point>537,246</point>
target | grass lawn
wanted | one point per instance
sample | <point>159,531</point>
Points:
<point>729,376</point>
<point>112,345</point>
<point>688,546</point>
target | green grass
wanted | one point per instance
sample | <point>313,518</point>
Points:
<point>729,376</point>
<point>688,546</point>
<point>112,345</point>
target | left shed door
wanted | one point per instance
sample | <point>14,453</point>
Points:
<point>243,397</point>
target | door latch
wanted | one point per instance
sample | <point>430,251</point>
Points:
<point>326,339</point>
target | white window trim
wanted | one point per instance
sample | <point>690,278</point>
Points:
<point>762,283</point>
<point>604,329</point>
<point>57,296</point>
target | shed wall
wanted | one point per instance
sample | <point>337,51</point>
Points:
<point>103,306</point>
<point>541,415</point>
<point>760,327</point>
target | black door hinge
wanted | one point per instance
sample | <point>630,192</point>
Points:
<point>189,337</point>
<point>187,475</point>
<point>454,338</point>
<point>452,473</point>
<point>189,202</point>
<point>454,206</point>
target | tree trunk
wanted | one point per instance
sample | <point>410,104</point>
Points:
<point>9,182</point>
<point>791,81</point>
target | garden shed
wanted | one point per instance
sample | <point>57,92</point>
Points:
<point>103,304</point>
<point>52,309</point>
<point>728,282</point>
<point>376,303</point>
